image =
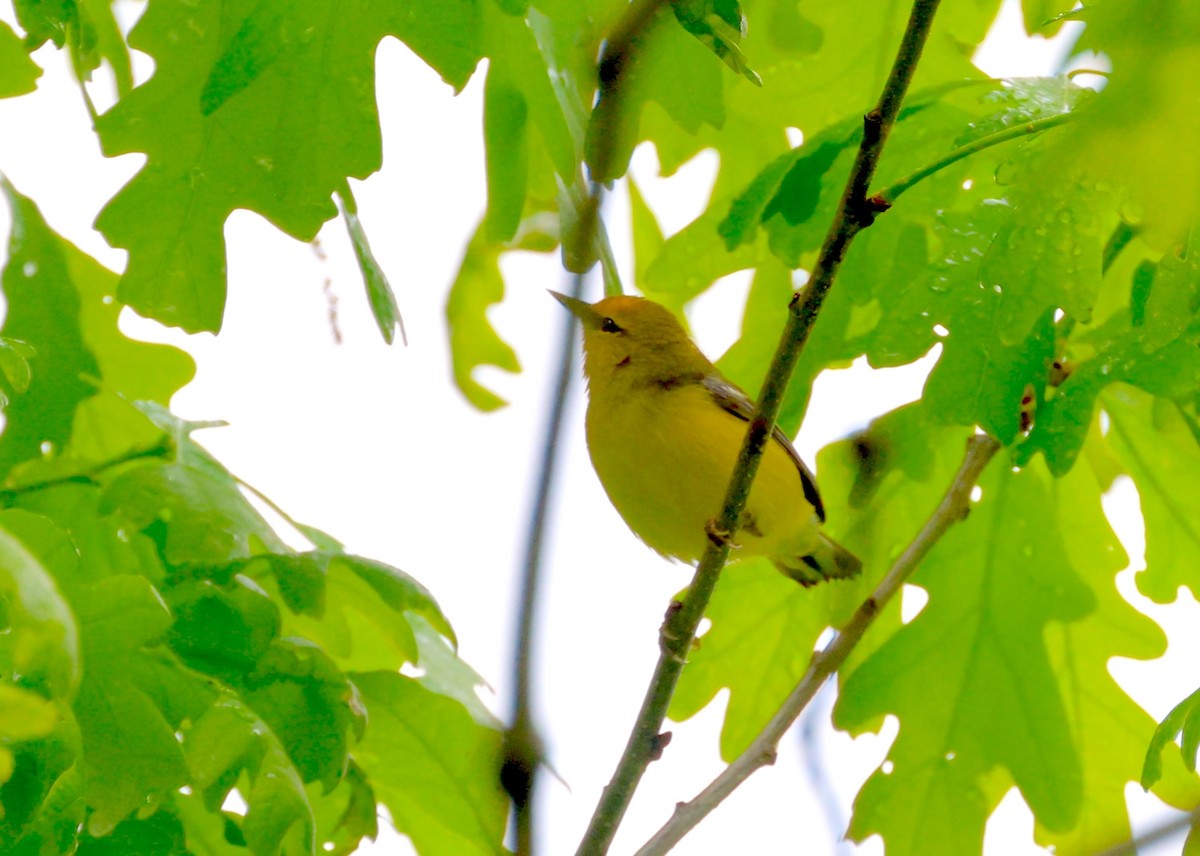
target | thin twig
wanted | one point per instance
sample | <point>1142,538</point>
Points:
<point>679,630</point>
<point>888,196</point>
<point>523,752</point>
<point>162,449</point>
<point>1152,836</point>
<point>523,747</point>
<point>953,508</point>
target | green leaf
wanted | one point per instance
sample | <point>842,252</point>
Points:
<point>972,682</point>
<point>1049,253</point>
<point>297,85</point>
<point>191,507</point>
<point>505,114</point>
<point>42,642</point>
<point>1128,139</point>
<point>43,801</point>
<point>357,609</point>
<point>24,715</point>
<point>473,341</point>
<point>764,626</point>
<point>18,73</point>
<point>980,379</point>
<point>1157,448</point>
<point>82,372</point>
<point>310,707</point>
<point>379,291</point>
<point>86,27</point>
<point>229,739</point>
<point>222,630</point>
<point>433,766</point>
<point>665,66</point>
<point>130,750</point>
<point>161,833</point>
<point>1109,728</point>
<point>347,815</point>
<point>720,25</point>
<point>1182,722</point>
<point>43,310</point>
<point>445,674</point>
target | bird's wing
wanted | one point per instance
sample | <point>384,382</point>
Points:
<point>739,404</point>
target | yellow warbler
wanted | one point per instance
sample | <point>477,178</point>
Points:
<point>664,429</point>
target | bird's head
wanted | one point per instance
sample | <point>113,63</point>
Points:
<point>634,341</point>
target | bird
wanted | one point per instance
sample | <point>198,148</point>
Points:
<point>664,428</point>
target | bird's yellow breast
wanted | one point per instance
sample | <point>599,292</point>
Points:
<point>665,459</point>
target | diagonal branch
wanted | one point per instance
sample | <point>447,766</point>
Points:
<point>953,508</point>
<point>854,213</point>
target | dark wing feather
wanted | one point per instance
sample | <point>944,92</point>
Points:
<point>739,404</point>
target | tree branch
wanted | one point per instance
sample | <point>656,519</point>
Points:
<point>679,629</point>
<point>523,752</point>
<point>953,508</point>
<point>885,198</point>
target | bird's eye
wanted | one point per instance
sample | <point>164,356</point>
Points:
<point>609,326</point>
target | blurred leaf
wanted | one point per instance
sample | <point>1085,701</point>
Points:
<point>1156,447</point>
<point>1109,728</point>
<point>297,84</point>
<point>1020,100</point>
<point>379,291</point>
<point>1182,722</point>
<point>42,639</point>
<point>161,833</point>
<point>347,815</point>
<point>24,715</point>
<point>420,744</point>
<point>666,66</point>
<point>720,26</point>
<point>1129,134</point>
<point>951,675</point>
<point>473,341</point>
<point>86,27</point>
<point>18,73</point>
<point>648,241</point>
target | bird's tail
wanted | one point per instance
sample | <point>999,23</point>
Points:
<point>828,561</point>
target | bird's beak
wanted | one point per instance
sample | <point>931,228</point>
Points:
<point>586,314</point>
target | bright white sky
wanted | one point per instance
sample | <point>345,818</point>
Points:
<point>376,446</point>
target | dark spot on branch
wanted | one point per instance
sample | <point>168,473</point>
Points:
<point>658,743</point>
<point>516,778</point>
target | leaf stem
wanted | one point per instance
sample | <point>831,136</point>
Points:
<point>162,449</point>
<point>854,213</point>
<point>889,195</point>
<point>1168,828</point>
<point>953,508</point>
